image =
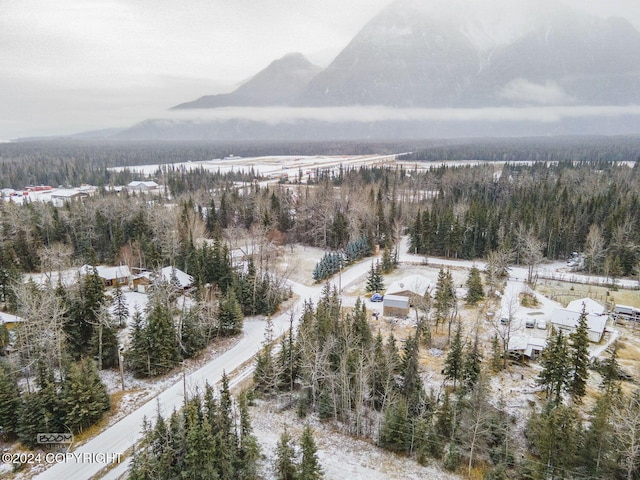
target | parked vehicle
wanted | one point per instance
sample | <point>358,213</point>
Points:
<point>542,324</point>
<point>377,297</point>
<point>530,323</point>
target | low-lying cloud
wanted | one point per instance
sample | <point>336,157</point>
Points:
<point>368,114</point>
<point>530,93</point>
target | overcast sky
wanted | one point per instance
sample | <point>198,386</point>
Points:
<point>74,65</point>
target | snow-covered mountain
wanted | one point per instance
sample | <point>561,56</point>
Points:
<point>571,59</point>
<point>524,70</point>
<point>401,58</point>
<point>407,57</point>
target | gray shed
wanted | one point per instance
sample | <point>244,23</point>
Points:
<point>395,306</point>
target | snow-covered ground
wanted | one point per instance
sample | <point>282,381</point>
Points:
<point>341,456</point>
<point>67,277</point>
<point>270,167</point>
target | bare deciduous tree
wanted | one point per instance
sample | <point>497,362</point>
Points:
<point>40,335</point>
<point>503,324</point>
<point>594,249</point>
<point>625,418</point>
<point>530,251</point>
<point>497,267</point>
<point>55,258</point>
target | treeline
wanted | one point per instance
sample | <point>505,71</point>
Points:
<point>149,232</point>
<point>590,207</point>
<point>534,149</point>
<point>72,162</point>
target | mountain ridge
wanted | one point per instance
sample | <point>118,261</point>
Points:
<point>277,84</point>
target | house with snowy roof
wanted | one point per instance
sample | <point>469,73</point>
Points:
<point>175,276</point>
<point>589,305</point>
<point>142,186</point>
<point>410,286</point>
<point>9,320</point>
<point>526,345</point>
<point>112,276</point>
<point>567,321</point>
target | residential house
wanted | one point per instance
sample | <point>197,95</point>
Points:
<point>589,305</point>
<point>112,276</point>
<point>626,313</point>
<point>62,195</point>
<point>411,286</point>
<point>526,346</point>
<point>176,276</point>
<point>9,320</point>
<point>567,320</point>
<point>142,186</point>
<point>140,281</point>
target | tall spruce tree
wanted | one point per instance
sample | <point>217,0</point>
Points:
<point>230,316</point>
<point>248,450</point>
<point>379,379</point>
<point>375,282</point>
<point>395,431</point>
<point>496,354</point>
<point>579,357</point>
<point>453,364</point>
<point>471,362</point>
<point>556,369</point>
<point>9,402</point>
<point>82,316</point>
<point>445,297</point>
<point>154,345</point>
<point>389,262</point>
<point>120,308</point>
<point>475,293</point>
<point>610,372</point>
<point>309,468</point>
<point>265,375</point>
<point>412,387</point>
<point>285,461</point>
<point>83,397</point>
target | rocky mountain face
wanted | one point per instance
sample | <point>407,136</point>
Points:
<point>572,59</point>
<point>401,58</point>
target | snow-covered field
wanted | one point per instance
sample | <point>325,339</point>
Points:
<point>269,167</point>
